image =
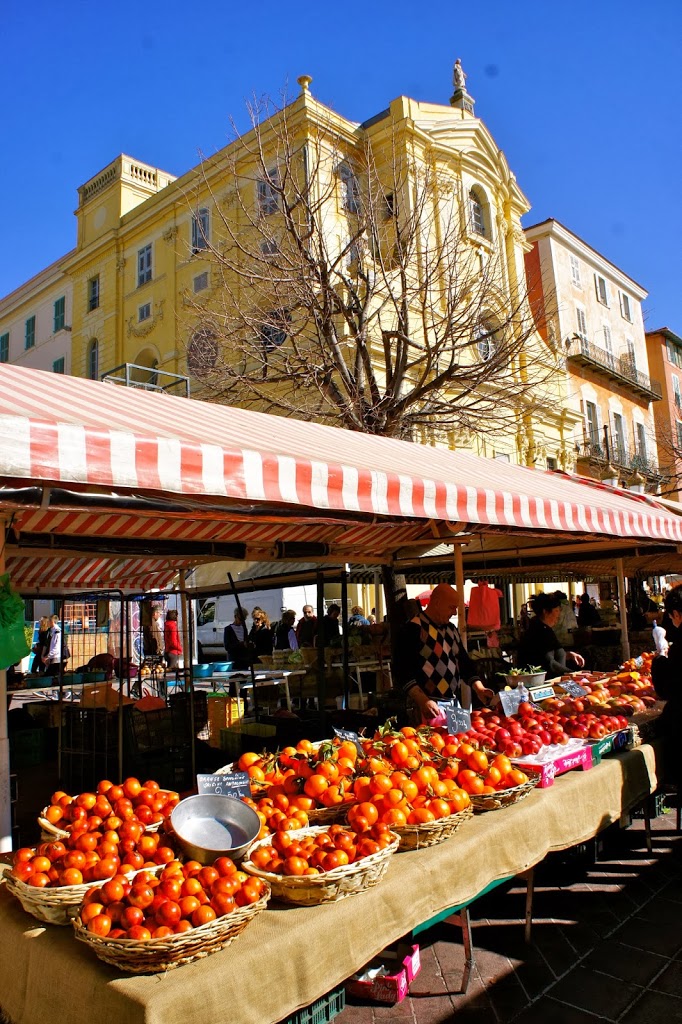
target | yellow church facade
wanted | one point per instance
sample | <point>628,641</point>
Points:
<point>124,301</point>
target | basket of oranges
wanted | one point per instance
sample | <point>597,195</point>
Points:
<point>500,785</point>
<point>109,805</point>
<point>321,864</point>
<point>201,910</point>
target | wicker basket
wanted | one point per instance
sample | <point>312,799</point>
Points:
<point>154,955</point>
<point>50,832</point>
<point>328,815</point>
<point>51,904</point>
<point>504,797</point>
<point>415,837</point>
<point>310,890</point>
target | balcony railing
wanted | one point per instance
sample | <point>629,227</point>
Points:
<point>621,457</point>
<point>620,368</point>
<point>148,378</point>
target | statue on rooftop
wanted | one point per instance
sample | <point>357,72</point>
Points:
<point>458,76</point>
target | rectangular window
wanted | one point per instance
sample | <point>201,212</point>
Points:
<point>592,416</point>
<point>144,265</point>
<point>582,322</point>
<point>641,439</point>
<point>93,293</point>
<point>201,282</point>
<point>677,394</point>
<point>625,307</point>
<point>59,311</point>
<point>267,191</point>
<point>575,271</point>
<point>601,290</point>
<point>4,348</point>
<point>618,438</point>
<point>608,345</point>
<point>269,248</point>
<point>144,312</point>
<point>476,218</point>
<point>200,227</point>
<point>674,353</point>
<point>351,190</point>
<point>679,437</point>
<point>30,337</point>
<point>551,463</point>
<point>58,365</point>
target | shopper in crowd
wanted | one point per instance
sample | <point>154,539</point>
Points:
<point>260,636</point>
<point>236,641</point>
<point>171,639</point>
<point>306,629</point>
<point>588,615</point>
<point>285,634</point>
<point>431,661</point>
<point>40,647</point>
<point>567,621</point>
<point>357,616</point>
<point>331,630</point>
<point>539,645</point>
<point>54,655</point>
<point>156,631</point>
<point>666,675</point>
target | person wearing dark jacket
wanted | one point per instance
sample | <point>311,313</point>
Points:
<point>666,675</point>
<point>285,634</point>
<point>260,636</point>
<point>431,661</point>
<point>539,645</point>
<point>588,615</point>
<point>235,640</point>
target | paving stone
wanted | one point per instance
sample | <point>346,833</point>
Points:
<point>654,1008</point>
<point>548,1011</point>
<point>649,936</point>
<point>433,1009</point>
<point>597,993</point>
<point>355,1012</point>
<point>508,998</point>
<point>661,911</point>
<point>617,960</point>
<point>557,951</point>
<point>671,980</point>
<point>535,978</point>
<point>400,1011</point>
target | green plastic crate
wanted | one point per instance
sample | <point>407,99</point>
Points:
<point>322,1010</point>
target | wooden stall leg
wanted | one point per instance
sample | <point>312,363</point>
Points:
<point>529,877</point>
<point>647,824</point>
<point>461,920</point>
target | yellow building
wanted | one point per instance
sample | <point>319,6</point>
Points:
<point>598,326</point>
<point>144,265</point>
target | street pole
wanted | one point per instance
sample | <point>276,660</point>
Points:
<point>5,789</point>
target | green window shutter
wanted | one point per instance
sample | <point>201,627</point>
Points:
<point>59,308</point>
<point>30,339</point>
<point>4,348</point>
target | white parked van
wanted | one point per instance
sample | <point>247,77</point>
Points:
<point>215,613</point>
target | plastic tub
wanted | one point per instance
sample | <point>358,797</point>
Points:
<point>202,671</point>
<point>222,666</point>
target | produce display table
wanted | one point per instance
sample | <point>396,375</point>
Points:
<point>289,956</point>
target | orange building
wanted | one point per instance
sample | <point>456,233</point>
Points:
<point>664,349</point>
<point>590,312</point>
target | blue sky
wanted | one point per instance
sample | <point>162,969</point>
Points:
<point>583,97</point>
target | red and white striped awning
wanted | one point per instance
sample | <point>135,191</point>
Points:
<point>91,573</point>
<point>232,474</point>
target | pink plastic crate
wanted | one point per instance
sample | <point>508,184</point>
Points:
<point>580,758</point>
<point>387,988</point>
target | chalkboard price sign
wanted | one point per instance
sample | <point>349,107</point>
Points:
<point>510,701</point>
<point>235,784</point>
<point>352,737</point>
<point>458,718</point>
<point>573,689</point>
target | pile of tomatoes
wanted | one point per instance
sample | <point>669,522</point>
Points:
<point>111,805</point>
<point>182,897</point>
<point>319,852</point>
<point>86,856</point>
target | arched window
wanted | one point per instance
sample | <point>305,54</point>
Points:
<point>477,218</point>
<point>486,342</point>
<point>93,359</point>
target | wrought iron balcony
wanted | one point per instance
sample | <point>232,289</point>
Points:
<point>148,378</point>
<point>620,368</point>
<point>621,457</point>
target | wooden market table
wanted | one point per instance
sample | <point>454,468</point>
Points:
<point>290,956</point>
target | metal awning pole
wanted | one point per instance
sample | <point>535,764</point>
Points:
<point>459,586</point>
<point>624,639</point>
<point>5,789</point>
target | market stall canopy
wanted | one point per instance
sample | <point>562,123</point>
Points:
<point>93,470</point>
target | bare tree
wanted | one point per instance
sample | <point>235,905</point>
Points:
<point>345,286</point>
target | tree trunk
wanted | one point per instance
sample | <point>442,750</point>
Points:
<point>395,594</point>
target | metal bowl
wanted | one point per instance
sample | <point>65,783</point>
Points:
<point>209,826</point>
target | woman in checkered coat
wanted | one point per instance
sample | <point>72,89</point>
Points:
<point>431,661</point>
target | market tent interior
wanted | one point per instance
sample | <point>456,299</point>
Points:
<point>104,486</point>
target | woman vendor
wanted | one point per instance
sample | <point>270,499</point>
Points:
<point>539,644</point>
<point>666,675</point>
<point>431,662</point>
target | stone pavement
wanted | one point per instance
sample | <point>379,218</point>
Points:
<point>606,945</point>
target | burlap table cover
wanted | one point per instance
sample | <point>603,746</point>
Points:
<point>290,956</point>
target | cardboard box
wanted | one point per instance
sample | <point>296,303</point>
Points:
<point>386,978</point>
